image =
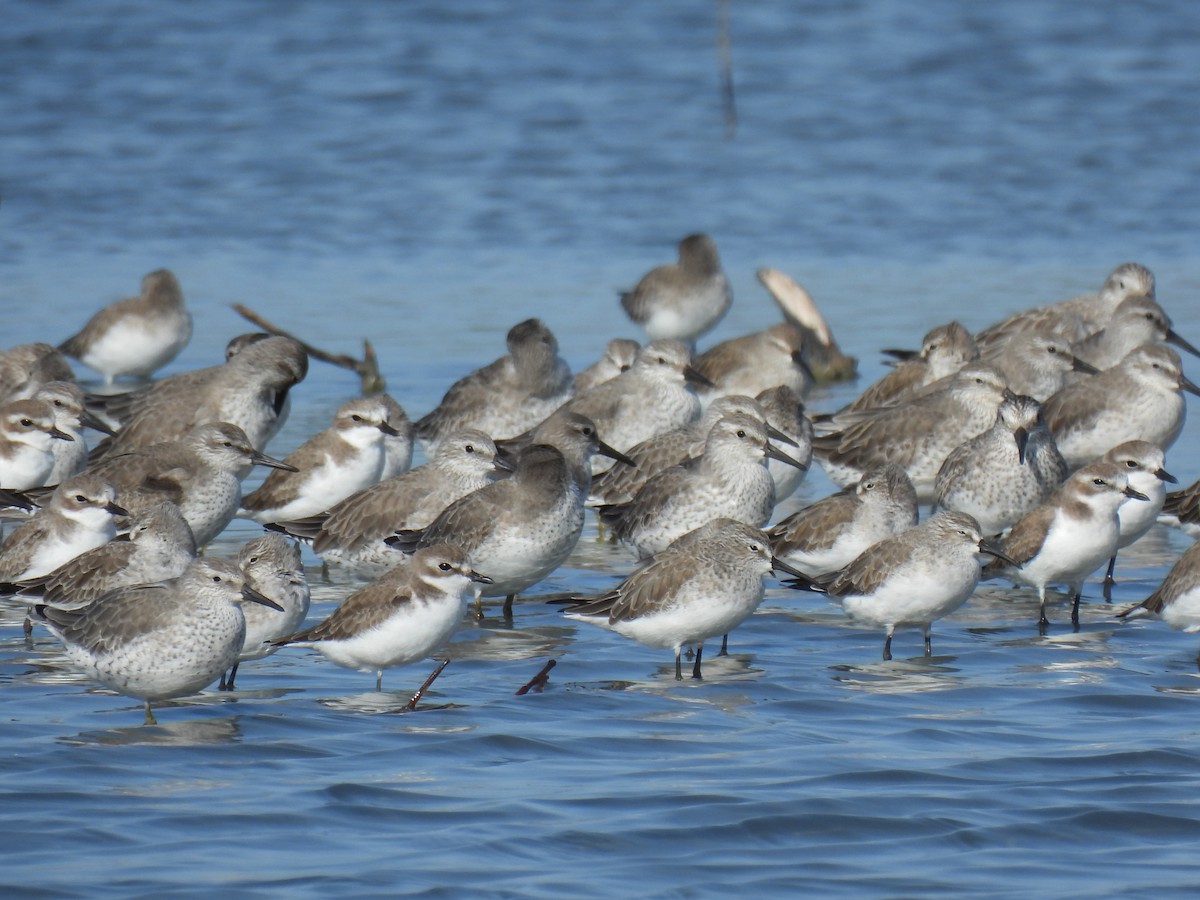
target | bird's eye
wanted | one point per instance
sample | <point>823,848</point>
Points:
<point>754,548</point>
<point>933,346</point>
<point>217,579</point>
<point>79,498</point>
<point>741,432</point>
<point>252,559</point>
<point>356,418</point>
<point>27,423</point>
<point>227,444</point>
<point>1149,317</point>
<point>1155,366</point>
<point>445,567</point>
<point>1051,349</point>
<point>1131,463</point>
<point>979,381</point>
<point>869,486</point>
<point>1099,482</point>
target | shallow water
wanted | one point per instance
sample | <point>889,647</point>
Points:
<point>427,177</point>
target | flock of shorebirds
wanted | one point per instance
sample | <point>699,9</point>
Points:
<point>1038,443</point>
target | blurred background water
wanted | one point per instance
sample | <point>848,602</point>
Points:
<point>427,174</point>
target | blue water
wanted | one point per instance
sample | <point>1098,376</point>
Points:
<point>427,174</point>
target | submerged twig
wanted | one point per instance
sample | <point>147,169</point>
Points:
<point>726,63</point>
<point>366,368</point>
<point>538,681</point>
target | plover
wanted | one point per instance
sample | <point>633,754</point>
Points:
<point>76,517</point>
<point>1143,464</point>
<point>26,367</point>
<point>346,457</point>
<point>27,438</point>
<point>401,617</point>
<point>66,399</point>
<point>352,533</point>
<point>1068,537</point>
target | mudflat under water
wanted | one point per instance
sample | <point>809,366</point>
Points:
<point>427,176</point>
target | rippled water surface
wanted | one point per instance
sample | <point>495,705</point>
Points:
<point>427,174</point>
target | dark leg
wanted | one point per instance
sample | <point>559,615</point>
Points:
<point>887,643</point>
<point>1043,622</point>
<point>1109,581</point>
<point>378,680</point>
<point>724,651</point>
<point>478,605</point>
<point>696,665</point>
<point>416,698</point>
<point>227,683</point>
<point>508,602</point>
<point>149,720</point>
<point>1075,607</point>
<point>928,642</point>
<point>678,667</point>
<point>27,626</point>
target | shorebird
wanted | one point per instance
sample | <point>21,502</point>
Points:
<point>522,528</point>
<point>1038,364</point>
<point>77,517</point>
<point>944,350</point>
<point>158,641</point>
<point>201,474</point>
<point>1138,320</point>
<point>827,535</point>
<point>1177,600</point>
<point>701,586</point>
<point>398,447</point>
<point>352,533</point>
<point>1137,400</point>
<point>1068,537</point>
<point>271,566</point>
<point>27,438</point>
<point>911,579</point>
<point>618,357</point>
<point>786,416</point>
<point>137,335</point>
<point>730,479</point>
<point>1181,509</point>
<point>66,399</point>
<point>509,396</point>
<point>346,457</point>
<point>917,435</point>
<point>998,476</point>
<point>159,545</point>
<point>401,617</point>
<point>654,396</point>
<point>1075,318</point>
<point>250,390</point>
<point>755,362</point>
<point>26,367</point>
<point>684,299</point>
<point>1143,464</point>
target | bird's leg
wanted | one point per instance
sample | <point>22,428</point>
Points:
<point>378,680</point>
<point>887,643</point>
<point>696,665</point>
<point>1043,622</point>
<point>1109,581</point>
<point>227,685</point>
<point>724,651</point>
<point>928,641</point>
<point>678,666</point>
<point>1075,606</point>
<point>508,602</point>
<point>416,698</point>
<point>478,604</point>
<point>27,627</point>
<point>149,720</point>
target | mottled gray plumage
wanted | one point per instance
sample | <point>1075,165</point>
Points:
<point>684,299</point>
